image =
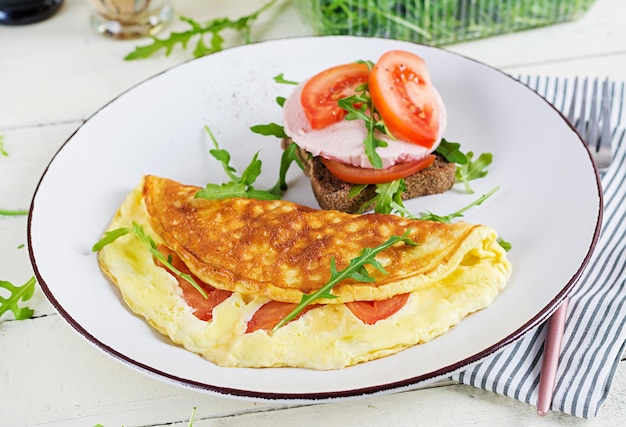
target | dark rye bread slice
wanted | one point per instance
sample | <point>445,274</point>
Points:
<point>333,193</point>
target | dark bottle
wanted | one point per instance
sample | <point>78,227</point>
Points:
<point>21,12</point>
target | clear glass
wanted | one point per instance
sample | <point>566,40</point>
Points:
<point>127,19</point>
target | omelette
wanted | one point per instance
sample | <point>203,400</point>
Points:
<point>235,267</point>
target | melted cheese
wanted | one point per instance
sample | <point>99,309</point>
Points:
<point>327,337</point>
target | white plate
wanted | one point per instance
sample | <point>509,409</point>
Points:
<point>548,205</point>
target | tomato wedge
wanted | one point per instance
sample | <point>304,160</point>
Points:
<point>357,175</point>
<point>270,313</point>
<point>371,312</point>
<point>320,94</point>
<point>203,307</point>
<point>403,94</point>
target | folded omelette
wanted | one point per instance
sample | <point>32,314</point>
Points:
<point>255,259</point>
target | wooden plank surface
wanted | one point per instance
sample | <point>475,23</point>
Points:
<point>55,74</point>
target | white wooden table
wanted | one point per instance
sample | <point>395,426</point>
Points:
<point>55,74</point>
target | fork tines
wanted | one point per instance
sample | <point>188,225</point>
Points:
<point>593,118</point>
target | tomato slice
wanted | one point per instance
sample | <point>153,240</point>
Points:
<point>320,94</point>
<point>270,313</point>
<point>357,175</point>
<point>371,312</point>
<point>403,94</point>
<point>203,307</point>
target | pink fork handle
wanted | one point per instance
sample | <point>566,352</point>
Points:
<point>551,353</point>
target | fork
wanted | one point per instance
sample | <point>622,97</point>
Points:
<point>595,129</point>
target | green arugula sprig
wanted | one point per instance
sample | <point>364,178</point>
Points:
<point>360,106</point>
<point>280,78</point>
<point>280,100</point>
<point>288,157</point>
<point>238,186</point>
<point>504,244</point>
<point>473,169</point>
<point>16,294</point>
<point>213,29</point>
<point>8,212</point>
<point>466,168</point>
<point>355,270</point>
<point>451,151</point>
<point>270,129</point>
<point>137,231</point>
<point>388,198</point>
<point>429,216</point>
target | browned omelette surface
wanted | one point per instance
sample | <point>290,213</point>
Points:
<point>281,250</point>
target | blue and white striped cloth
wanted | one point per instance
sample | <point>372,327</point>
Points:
<point>595,329</point>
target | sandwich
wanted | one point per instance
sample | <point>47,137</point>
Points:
<point>364,125</point>
<point>253,283</point>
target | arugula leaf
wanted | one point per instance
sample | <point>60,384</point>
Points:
<point>286,159</point>
<point>213,29</point>
<point>388,198</point>
<point>429,216</point>
<point>222,156</point>
<point>270,129</point>
<point>355,190</point>
<point>7,212</point>
<point>238,186</point>
<point>17,293</point>
<point>231,189</point>
<point>358,106</point>
<point>281,79</point>
<point>137,231</point>
<point>473,169</point>
<point>110,237</point>
<point>280,100</point>
<point>466,169</point>
<point>252,171</point>
<point>504,244</point>
<point>355,270</point>
<point>451,152</point>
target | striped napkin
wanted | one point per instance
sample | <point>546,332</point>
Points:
<point>595,329</point>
